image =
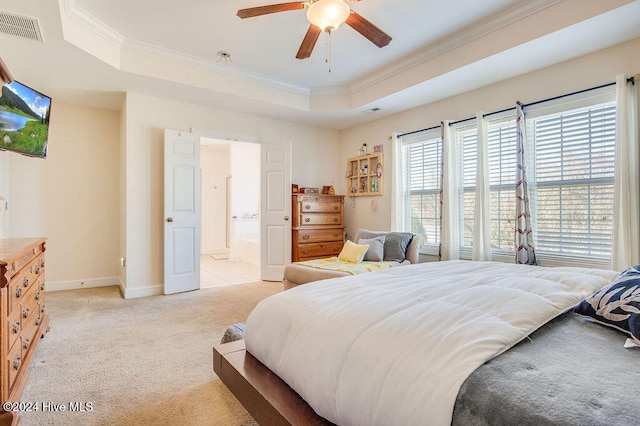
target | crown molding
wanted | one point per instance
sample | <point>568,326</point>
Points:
<point>162,53</point>
<point>448,43</point>
<point>72,10</point>
<point>147,49</point>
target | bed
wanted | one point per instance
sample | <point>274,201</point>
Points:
<point>440,343</point>
<point>388,250</point>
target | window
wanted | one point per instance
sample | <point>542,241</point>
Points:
<point>501,138</point>
<point>502,175</point>
<point>422,158</point>
<point>570,156</point>
<point>573,181</point>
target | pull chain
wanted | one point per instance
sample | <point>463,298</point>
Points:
<point>328,50</point>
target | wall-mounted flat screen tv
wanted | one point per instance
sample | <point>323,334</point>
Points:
<point>24,120</point>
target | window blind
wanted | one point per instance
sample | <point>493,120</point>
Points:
<point>424,161</point>
<point>572,195</point>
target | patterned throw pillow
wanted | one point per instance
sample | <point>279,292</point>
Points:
<point>618,304</point>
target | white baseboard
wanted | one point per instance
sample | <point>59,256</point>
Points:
<point>88,283</point>
<point>131,293</point>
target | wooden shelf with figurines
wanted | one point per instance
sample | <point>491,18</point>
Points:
<point>365,174</point>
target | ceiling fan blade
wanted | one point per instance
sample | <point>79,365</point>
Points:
<point>374,34</point>
<point>271,8</point>
<point>309,42</point>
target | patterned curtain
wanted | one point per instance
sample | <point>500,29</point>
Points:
<point>525,252</point>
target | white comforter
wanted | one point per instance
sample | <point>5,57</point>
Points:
<point>393,347</point>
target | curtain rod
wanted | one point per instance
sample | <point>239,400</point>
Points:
<point>629,80</point>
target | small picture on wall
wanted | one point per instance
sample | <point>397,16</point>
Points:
<point>378,148</point>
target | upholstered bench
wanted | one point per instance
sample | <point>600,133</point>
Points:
<point>397,248</point>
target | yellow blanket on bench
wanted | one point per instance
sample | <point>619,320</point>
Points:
<point>335,264</point>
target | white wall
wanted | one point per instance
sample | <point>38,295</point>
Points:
<point>245,184</point>
<point>215,161</point>
<point>71,198</point>
<point>578,74</point>
<point>146,119</point>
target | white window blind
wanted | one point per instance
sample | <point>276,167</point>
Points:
<point>467,140</point>
<point>502,172</point>
<point>573,173</point>
<point>423,165</point>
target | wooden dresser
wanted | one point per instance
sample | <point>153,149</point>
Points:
<point>22,311</point>
<point>318,226</point>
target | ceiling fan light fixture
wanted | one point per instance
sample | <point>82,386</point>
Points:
<point>328,15</point>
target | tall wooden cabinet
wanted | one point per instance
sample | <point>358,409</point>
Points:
<point>22,311</point>
<point>317,227</point>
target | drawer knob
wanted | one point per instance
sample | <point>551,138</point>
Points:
<point>42,263</point>
<point>25,343</point>
<point>18,292</point>
<point>38,321</point>
<point>16,362</point>
<point>336,249</point>
<point>25,282</point>
<point>307,206</point>
<point>305,237</point>
<point>38,295</point>
<point>307,219</point>
<point>42,309</point>
<point>336,208</point>
<point>37,269</point>
<point>42,286</point>
<point>25,313</point>
<point>305,251</point>
<point>335,219</point>
<point>16,327</point>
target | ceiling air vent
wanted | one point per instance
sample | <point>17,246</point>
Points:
<point>20,26</point>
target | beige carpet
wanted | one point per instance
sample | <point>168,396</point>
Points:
<point>144,361</point>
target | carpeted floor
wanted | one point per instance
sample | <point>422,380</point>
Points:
<point>144,361</point>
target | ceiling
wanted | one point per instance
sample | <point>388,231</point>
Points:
<point>93,51</point>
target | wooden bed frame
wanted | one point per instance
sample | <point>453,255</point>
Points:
<point>262,393</point>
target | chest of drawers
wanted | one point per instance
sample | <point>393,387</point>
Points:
<point>22,310</point>
<point>317,227</point>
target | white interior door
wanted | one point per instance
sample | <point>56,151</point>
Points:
<point>181,211</point>
<point>275,210</point>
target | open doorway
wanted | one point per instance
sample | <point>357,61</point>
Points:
<point>230,206</point>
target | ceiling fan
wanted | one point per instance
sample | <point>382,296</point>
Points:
<point>324,15</point>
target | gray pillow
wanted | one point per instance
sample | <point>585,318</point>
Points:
<point>395,246</point>
<point>375,252</point>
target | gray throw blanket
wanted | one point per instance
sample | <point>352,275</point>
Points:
<point>572,372</point>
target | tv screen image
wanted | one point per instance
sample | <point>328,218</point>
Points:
<point>24,120</point>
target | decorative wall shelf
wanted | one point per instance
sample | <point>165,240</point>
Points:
<point>365,175</point>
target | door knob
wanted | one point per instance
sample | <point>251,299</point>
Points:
<point>286,218</point>
<point>169,219</point>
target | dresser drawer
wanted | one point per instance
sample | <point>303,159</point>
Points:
<point>14,361</point>
<point>14,325</point>
<point>320,207</point>
<point>304,236</point>
<point>319,250</point>
<point>308,219</point>
<point>25,280</point>
<point>18,263</point>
